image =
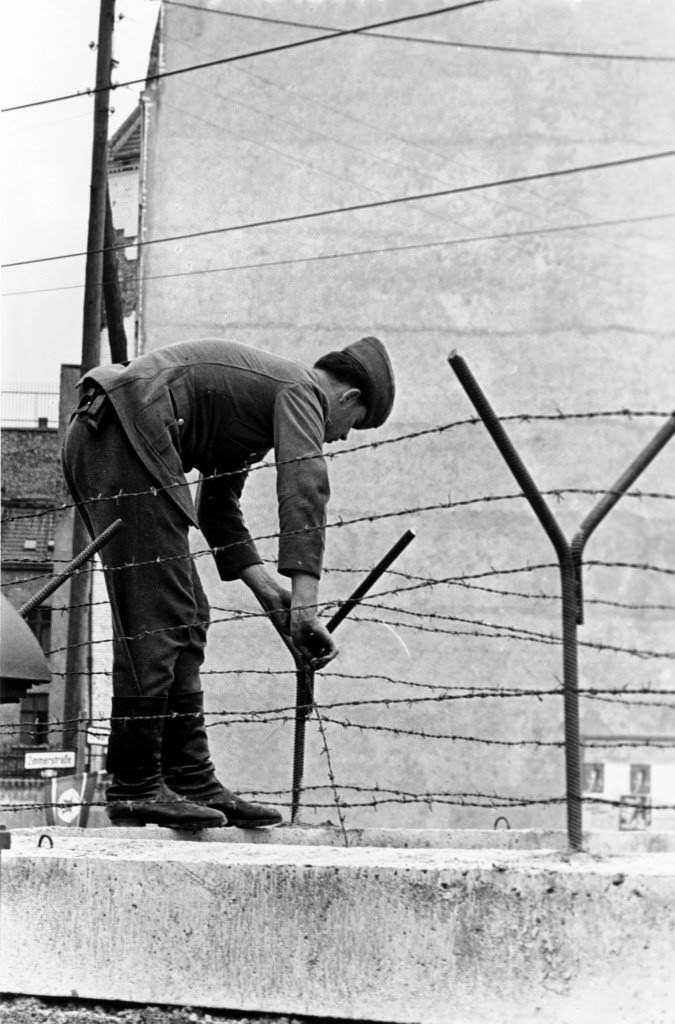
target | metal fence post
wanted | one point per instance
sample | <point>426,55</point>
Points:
<point>569,560</point>
<point>568,587</point>
<point>609,500</point>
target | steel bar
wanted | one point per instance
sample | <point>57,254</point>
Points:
<point>304,700</point>
<point>304,703</point>
<point>568,586</point>
<point>609,500</point>
<point>305,674</point>
<point>372,577</point>
<point>56,581</point>
<point>511,456</point>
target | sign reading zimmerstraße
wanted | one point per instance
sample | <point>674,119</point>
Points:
<point>49,759</point>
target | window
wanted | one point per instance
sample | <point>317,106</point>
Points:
<point>34,720</point>
<point>40,621</point>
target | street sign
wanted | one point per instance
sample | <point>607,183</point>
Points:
<point>49,759</point>
<point>68,799</point>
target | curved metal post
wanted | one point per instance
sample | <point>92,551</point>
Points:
<point>568,586</point>
<point>609,500</point>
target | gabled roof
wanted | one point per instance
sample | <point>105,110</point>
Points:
<point>124,148</point>
<point>27,536</point>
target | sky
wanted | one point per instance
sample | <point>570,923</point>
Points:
<point>46,50</point>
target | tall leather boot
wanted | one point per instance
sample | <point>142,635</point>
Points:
<point>188,769</point>
<point>138,795</point>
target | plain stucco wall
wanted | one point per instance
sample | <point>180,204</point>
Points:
<point>575,320</point>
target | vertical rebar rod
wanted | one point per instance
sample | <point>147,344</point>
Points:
<point>568,588</point>
<point>304,703</point>
<point>304,699</point>
<point>305,675</point>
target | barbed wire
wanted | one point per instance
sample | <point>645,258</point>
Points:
<point>393,796</point>
<point>497,630</point>
<point>285,712</point>
<point>457,581</point>
<point>509,632</point>
<point>375,611</point>
<point>368,518</point>
<point>399,731</point>
<point>559,415</point>
<point>325,751</point>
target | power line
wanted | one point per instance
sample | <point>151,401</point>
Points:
<point>373,204</point>
<point>337,114</point>
<point>503,236</point>
<point>575,54</point>
<point>337,34</point>
<point>535,51</point>
<point>275,118</point>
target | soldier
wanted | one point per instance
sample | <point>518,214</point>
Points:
<point>215,406</point>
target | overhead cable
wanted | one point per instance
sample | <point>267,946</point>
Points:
<point>465,240</point>
<point>534,51</point>
<point>337,34</point>
<point>373,204</point>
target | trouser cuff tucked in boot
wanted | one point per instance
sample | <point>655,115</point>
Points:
<point>189,771</point>
<point>137,794</point>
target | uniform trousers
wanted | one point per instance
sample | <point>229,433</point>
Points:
<point>160,612</point>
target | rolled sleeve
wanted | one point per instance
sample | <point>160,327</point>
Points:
<point>303,489</point>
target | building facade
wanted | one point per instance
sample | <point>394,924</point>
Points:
<point>464,183</point>
<point>31,484</point>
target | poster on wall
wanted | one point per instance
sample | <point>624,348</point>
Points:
<point>626,794</point>
<point>68,798</point>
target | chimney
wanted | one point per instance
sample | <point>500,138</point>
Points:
<point>43,423</point>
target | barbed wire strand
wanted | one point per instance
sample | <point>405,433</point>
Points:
<point>525,418</point>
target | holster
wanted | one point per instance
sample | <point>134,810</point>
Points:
<point>93,407</point>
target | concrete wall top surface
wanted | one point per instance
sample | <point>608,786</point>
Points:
<point>546,843</point>
<point>424,935</point>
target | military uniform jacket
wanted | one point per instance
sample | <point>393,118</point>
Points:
<point>218,406</point>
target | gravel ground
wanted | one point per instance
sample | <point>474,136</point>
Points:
<point>22,1010</point>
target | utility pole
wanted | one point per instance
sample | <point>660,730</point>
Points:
<point>114,311</point>
<point>78,660</point>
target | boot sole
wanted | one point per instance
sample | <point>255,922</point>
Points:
<point>251,827</point>
<point>185,826</point>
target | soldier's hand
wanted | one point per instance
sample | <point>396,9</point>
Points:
<point>273,596</point>
<point>311,638</point>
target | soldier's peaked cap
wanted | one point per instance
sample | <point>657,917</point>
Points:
<point>371,355</point>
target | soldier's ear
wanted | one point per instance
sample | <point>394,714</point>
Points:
<point>351,396</point>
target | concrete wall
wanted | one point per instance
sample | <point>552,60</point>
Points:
<point>571,320</point>
<point>425,935</point>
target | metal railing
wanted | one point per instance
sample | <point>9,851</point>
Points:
<point>24,407</point>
